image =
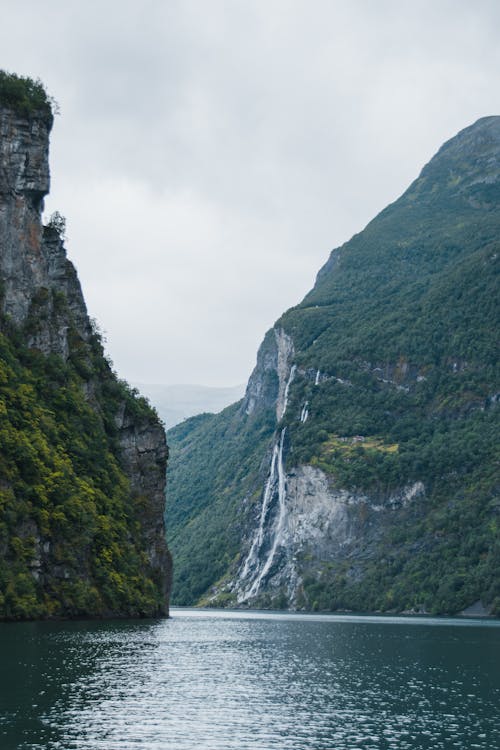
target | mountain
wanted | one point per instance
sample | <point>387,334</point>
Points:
<point>360,470</point>
<point>82,458</point>
<point>174,403</point>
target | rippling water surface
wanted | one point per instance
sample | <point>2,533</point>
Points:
<point>220,680</point>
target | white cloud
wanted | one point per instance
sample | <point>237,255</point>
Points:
<point>209,155</point>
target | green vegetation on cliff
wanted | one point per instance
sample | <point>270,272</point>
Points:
<point>204,523</point>
<point>82,456</point>
<point>62,488</point>
<point>25,96</point>
<point>396,354</point>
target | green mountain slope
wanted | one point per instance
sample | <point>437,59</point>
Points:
<point>379,393</point>
<point>213,468</point>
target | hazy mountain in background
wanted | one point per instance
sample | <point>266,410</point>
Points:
<point>177,402</point>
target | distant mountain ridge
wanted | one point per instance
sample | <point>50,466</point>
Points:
<point>360,471</point>
<point>174,403</point>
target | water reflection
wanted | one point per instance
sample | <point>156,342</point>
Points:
<point>222,681</point>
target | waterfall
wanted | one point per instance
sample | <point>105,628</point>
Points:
<point>281,514</point>
<point>316,382</point>
<point>253,555</point>
<point>277,472</point>
<point>287,388</point>
<point>305,412</point>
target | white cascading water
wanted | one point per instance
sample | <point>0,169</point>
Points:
<point>305,412</point>
<point>253,560</point>
<point>253,555</point>
<point>316,382</point>
<point>287,388</point>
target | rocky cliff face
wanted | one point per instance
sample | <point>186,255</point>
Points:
<point>270,382</point>
<point>24,182</point>
<point>305,521</point>
<point>144,453</point>
<point>44,320</point>
<point>375,487</point>
<point>33,263</point>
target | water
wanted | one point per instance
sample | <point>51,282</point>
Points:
<point>224,680</point>
<point>253,560</point>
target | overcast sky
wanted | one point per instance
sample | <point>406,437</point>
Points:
<point>210,153</point>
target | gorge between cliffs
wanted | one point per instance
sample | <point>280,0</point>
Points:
<point>357,474</point>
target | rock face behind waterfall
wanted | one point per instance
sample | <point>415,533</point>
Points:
<point>360,470</point>
<point>83,458</point>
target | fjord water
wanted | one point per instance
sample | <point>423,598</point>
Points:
<point>259,681</point>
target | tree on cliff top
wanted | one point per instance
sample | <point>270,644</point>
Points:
<point>26,96</point>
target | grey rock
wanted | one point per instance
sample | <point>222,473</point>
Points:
<point>319,523</point>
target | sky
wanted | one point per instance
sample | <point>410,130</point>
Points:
<point>209,154</point>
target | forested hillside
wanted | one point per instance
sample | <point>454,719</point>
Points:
<point>361,469</point>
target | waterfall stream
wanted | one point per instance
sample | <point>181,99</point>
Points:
<point>253,562</point>
<point>305,412</point>
<point>253,554</point>
<point>287,388</point>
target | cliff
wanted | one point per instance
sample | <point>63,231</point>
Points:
<point>83,460</point>
<point>359,471</point>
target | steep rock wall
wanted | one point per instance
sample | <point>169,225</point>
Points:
<point>305,522</point>
<point>42,304</point>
